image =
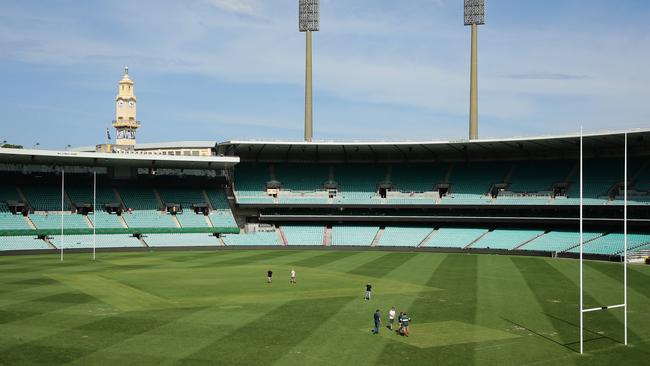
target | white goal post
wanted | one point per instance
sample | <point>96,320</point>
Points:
<point>624,304</point>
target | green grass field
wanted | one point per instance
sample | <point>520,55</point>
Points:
<point>215,308</point>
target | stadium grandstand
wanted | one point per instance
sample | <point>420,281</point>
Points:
<point>518,196</point>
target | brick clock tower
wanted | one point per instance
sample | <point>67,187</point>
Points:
<point>125,122</point>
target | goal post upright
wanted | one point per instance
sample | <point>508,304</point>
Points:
<point>624,304</point>
<point>625,243</point>
<point>581,289</point>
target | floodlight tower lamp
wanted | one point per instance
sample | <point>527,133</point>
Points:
<point>308,21</point>
<point>474,16</point>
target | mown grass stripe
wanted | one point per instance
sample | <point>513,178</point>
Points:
<point>382,265</point>
<point>267,339</point>
<point>323,258</point>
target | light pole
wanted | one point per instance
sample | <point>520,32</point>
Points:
<point>474,16</point>
<point>308,21</point>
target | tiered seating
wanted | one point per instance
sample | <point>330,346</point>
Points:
<point>21,243</point>
<point>258,238</point>
<point>139,198</point>
<point>222,218</point>
<point>186,197</point>
<point>104,220</point>
<point>218,199</point>
<point>539,176</point>
<point>302,177</point>
<point>84,194</point>
<point>304,234</point>
<point>417,177</point>
<point>45,198</point>
<point>557,241</point>
<point>470,183</point>
<point>180,240</point>
<point>507,239</point>
<point>612,243</point>
<point>353,235</point>
<point>454,237</point>
<point>148,219</point>
<point>102,241</point>
<point>598,176</point>
<point>523,200</point>
<point>189,219</point>
<point>258,199</point>
<point>250,179</point>
<point>8,193</point>
<point>301,199</point>
<point>53,221</point>
<point>358,183</point>
<point>9,221</point>
<point>397,236</point>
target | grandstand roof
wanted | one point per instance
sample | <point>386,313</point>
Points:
<point>562,146</point>
<point>52,157</point>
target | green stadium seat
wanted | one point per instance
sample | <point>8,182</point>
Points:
<point>304,234</point>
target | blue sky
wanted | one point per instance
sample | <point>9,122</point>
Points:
<point>383,69</point>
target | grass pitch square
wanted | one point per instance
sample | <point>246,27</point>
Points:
<point>446,333</point>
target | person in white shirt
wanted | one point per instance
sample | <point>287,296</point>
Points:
<point>293,276</point>
<point>391,317</point>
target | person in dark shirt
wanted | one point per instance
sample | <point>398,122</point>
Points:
<point>269,276</point>
<point>368,291</point>
<point>377,319</point>
<point>405,325</point>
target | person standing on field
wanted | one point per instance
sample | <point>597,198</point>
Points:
<point>377,319</point>
<point>269,275</point>
<point>293,277</point>
<point>368,291</point>
<point>405,325</point>
<point>391,317</point>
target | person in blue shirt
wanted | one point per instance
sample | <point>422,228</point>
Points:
<point>377,319</point>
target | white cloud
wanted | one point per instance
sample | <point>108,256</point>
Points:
<point>246,7</point>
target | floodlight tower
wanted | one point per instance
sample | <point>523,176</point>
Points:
<point>474,16</point>
<point>308,21</point>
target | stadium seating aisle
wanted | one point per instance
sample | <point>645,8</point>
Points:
<point>21,243</point>
<point>180,240</point>
<point>252,239</point>
<point>398,236</point>
<point>454,237</point>
<point>507,239</point>
<point>557,241</point>
<point>102,241</point>
<point>304,234</point>
<point>353,235</point>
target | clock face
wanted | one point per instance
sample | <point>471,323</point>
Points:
<point>120,103</point>
<point>131,104</point>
